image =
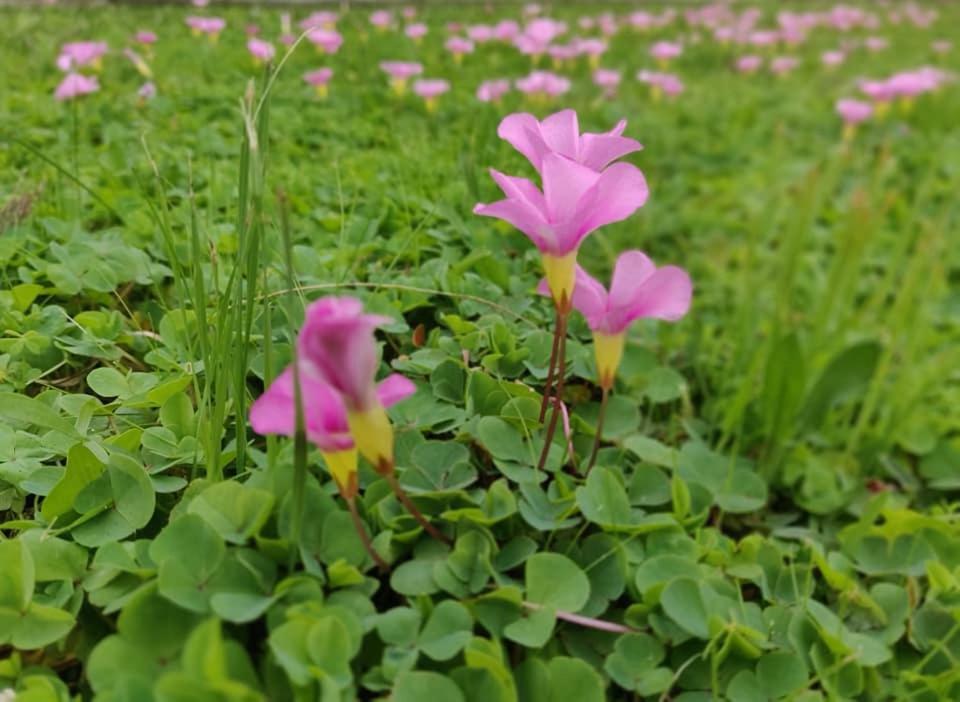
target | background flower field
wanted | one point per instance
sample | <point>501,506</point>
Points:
<point>773,511</point>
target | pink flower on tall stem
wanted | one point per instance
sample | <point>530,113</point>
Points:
<point>337,347</point>
<point>74,85</point>
<point>328,41</point>
<point>416,31</point>
<point>853,112</point>
<point>400,72</point>
<point>320,80</point>
<point>458,46</point>
<point>607,79</point>
<point>76,54</point>
<point>749,64</point>
<point>493,90</point>
<point>430,89</point>
<point>638,290</point>
<point>262,51</point>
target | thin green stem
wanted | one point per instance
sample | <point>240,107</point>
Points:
<point>364,537</point>
<point>599,435</point>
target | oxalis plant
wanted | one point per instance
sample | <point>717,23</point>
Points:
<point>450,518</point>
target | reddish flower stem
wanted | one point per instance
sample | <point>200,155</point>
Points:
<point>561,376</point>
<point>551,369</point>
<point>364,537</point>
<point>589,622</point>
<point>414,510</point>
<point>599,435</point>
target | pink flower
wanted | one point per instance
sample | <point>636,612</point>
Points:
<point>409,12</point>
<point>430,89</point>
<point>607,79</point>
<point>327,40</point>
<point>401,69</point>
<point>415,31</point>
<point>261,50</point>
<point>493,90</point>
<point>544,30</point>
<point>941,46</point>
<point>252,30</point>
<point>480,33</point>
<point>321,76</point>
<point>576,200</point>
<point>147,91</point>
<point>666,50</point>
<point>781,65</point>
<point>591,47</point>
<point>876,43</point>
<point>832,58</point>
<point>81,53</point>
<point>880,91</point>
<point>324,413</point>
<point>211,26</point>
<point>381,19</point>
<point>146,37</point>
<point>458,46</point>
<point>323,18</point>
<point>337,345</point>
<point>506,30</point>
<point>749,64</point>
<point>666,83</point>
<point>854,111</point>
<point>543,83</point>
<point>75,85</point>
<point>560,133</point>
<point>638,290</point>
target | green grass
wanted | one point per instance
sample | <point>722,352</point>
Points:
<point>776,500</point>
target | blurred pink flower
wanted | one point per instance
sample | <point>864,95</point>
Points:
<point>876,43</point>
<point>381,19</point>
<point>941,46</point>
<point>781,65</point>
<point>663,51</point>
<point>328,41</point>
<point>458,46</point>
<point>749,64</point>
<point>543,84</point>
<point>75,54</point>
<point>493,90</point>
<point>323,19</point>
<point>319,79</point>
<point>608,79</point>
<point>145,37</point>
<point>147,91</point>
<point>430,89</point>
<point>74,85</point>
<point>480,33</point>
<point>400,72</point>
<point>853,111</point>
<point>832,58</point>
<point>211,26</point>
<point>416,31</point>
<point>262,51</point>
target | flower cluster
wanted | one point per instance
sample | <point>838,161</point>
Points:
<point>585,187</point>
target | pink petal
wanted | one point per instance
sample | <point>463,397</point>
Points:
<point>629,274</point>
<point>543,288</point>
<point>665,295</point>
<point>394,388</point>
<point>619,192</point>
<point>561,132</point>
<point>589,298</point>
<point>565,182</point>
<point>599,150</point>
<point>521,216</point>
<point>522,131</point>
<point>520,189</point>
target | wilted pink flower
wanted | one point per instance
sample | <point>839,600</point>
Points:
<point>876,43</point>
<point>400,72</point>
<point>328,41</point>
<point>74,85</point>
<point>147,91</point>
<point>781,65</point>
<point>252,30</point>
<point>323,19</point>
<point>608,79</point>
<point>416,31</point>
<point>458,46</point>
<point>543,84</point>
<point>319,79</point>
<point>261,50</point>
<point>381,19</point>
<point>638,290</point>
<point>832,58</point>
<point>493,90</point>
<point>75,54</point>
<point>663,51</point>
<point>138,63</point>
<point>146,37</point>
<point>531,9</point>
<point>749,64</point>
